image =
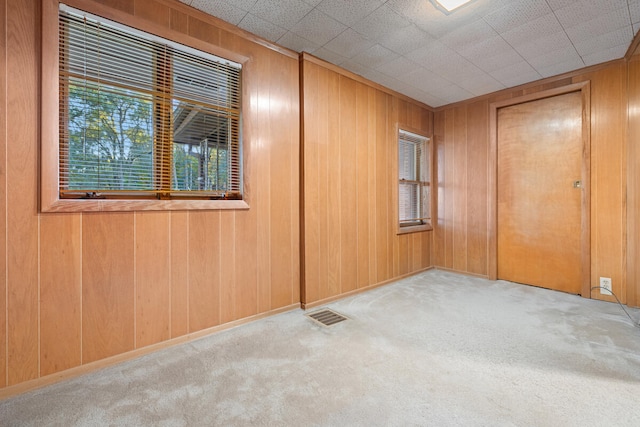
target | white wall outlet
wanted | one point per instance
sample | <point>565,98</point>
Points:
<point>605,286</point>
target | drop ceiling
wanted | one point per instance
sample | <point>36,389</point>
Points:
<point>415,49</point>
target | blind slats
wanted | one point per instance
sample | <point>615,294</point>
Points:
<point>143,115</point>
<point>413,175</point>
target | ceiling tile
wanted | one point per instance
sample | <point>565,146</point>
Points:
<point>349,43</point>
<point>539,46</point>
<point>452,93</point>
<point>634,10</point>
<point>348,11</point>
<point>480,84</point>
<point>411,38</point>
<point>245,4</point>
<point>284,13</point>
<point>636,28</point>
<point>556,57</point>
<point>375,56</point>
<point>579,12</point>
<point>261,27</point>
<point>312,2</point>
<point>468,34</point>
<point>539,27</point>
<point>497,60</point>
<point>516,74</point>
<point>556,68</point>
<point>297,43</point>
<point>559,4</point>
<point>603,24</point>
<point>437,24</point>
<point>425,79</point>
<point>185,1</point>
<point>598,57</point>
<point>458,68</point>
<point>355,67</point>
<point>329,56</point>
<point>432,54</point>
<point>604,41</point>
<point>220,9</point>
<point>398,67</point>
<point>318,27</point>
<point>380,23</point>
<point>517,13</point>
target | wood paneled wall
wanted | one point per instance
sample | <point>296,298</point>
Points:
<point>462,139</point>
<point>633,183</point>
<point>350,184</point>
<point>78,288</point>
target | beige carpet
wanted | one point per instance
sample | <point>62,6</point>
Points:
<point>435,349</point>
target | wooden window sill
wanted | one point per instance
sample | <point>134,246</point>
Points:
<point>414,229</point>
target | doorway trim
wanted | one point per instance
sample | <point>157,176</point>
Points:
<point>585,226</point>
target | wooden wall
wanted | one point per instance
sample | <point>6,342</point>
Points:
<point>350,184</point>
<point>79,288</point>
<point>461,233</point>
<point>633,183</point>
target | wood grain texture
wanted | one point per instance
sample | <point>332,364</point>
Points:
<point>108,292</point>
<point>179,274</point>
<point>21,195</point>
<point>60,292</point>
<point>608,177</point>
<point>204,270</point>
<point>608,158</point>
<point>153,277</point>
<point>633,185</point>
<point>3,193</point>
<point>85,287</point>
<point>350,185</point>
<point>540,149</point>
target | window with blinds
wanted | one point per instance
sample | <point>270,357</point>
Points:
<point>144,117</point>
<point>414,182</point>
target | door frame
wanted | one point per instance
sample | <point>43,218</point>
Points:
<point>585,225</point>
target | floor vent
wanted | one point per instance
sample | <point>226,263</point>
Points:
<point>326,317</point>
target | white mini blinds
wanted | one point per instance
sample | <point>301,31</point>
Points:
<point>414,176</point>
<point>144,117</point>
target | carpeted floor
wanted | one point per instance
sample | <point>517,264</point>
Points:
<point>435,349</point>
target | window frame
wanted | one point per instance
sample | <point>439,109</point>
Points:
<point>427,224</point>
<point>50,200</point>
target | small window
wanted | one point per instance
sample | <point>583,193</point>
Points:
<point>144,117</point>
<point>414,195</point>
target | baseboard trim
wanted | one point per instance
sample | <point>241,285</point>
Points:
<point>306,306</point>
<point>26,386</point>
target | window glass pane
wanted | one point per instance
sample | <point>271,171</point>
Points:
<point>140,113</point>
<point>413,175</point>
<point>110,136</point>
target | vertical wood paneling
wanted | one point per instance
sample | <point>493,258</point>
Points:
<point>350,150</point>
<point>383,237</point>
<point>153,11</point>
<point>21,178</point>
<point>179,274</point>
<point>85,287</point>
<point>262,69</point>
<point>60,292</point>
<point>227,266</point>
<point>439,229</point>
<point>476,185</point>
<point>3,193</point>
<point>107,285</point>
<point>362,184</point>
<point>608,177</point>
<point>333,190</point>
<point>311,147</point>
<point>204,270</point>
<point>633,185</point>
<point>372,127</point>
<point>459,182</point>
<point>282,160</point>
<point>153,278</point>
<point>347,188</point>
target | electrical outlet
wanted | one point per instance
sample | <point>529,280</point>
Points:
<point>605,286</point>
